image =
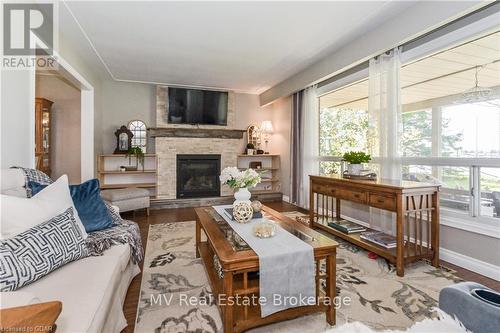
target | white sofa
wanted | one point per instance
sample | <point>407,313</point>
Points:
<point>92,290</point>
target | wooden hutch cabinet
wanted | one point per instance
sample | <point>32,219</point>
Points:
<point>43,134</point>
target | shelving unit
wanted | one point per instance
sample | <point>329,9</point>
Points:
<point>110,176</point>
<point>271,183</point>
<point>43,125</point>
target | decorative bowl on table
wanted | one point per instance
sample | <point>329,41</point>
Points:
<point>265,230</point>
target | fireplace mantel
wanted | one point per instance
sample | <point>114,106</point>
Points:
<point>156,132</point>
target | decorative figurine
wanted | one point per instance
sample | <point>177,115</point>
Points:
<point>243,212</point>
<point>257,206</point>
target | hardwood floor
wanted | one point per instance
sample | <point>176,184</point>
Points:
<point>187,214</point>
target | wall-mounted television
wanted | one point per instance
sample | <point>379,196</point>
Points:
<point>193,106</point>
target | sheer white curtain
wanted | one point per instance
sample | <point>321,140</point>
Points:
<point>384,114</point>
<point>309,142</point>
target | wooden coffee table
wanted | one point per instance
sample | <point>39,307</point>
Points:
<point>232,269</point>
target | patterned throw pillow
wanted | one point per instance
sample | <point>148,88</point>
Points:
<point>40,250</point>
<point>33,175</point>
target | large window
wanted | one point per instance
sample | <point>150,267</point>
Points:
<point>343,123</point>
<point>450,125</point>
<point>416,136</point>
<point>471,130</point>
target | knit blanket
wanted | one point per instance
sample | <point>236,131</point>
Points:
<point>125,232</point>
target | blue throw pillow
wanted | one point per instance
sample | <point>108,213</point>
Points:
<point>88,203</point>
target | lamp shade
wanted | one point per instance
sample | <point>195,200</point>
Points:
<point>267,127</point>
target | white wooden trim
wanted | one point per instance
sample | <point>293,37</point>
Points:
<point>32,138</point>
<point>433,161</point>
<point>475,265</point>
<point>451,161</point>
<point>476,225</point>
<point>454,38</point>
<point>85,85</point>
<point>286,198</point>
<point>343,82</point>
<point>87,166</point>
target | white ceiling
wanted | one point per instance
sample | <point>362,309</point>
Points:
<point>243,46</point>
<point>443,74</point>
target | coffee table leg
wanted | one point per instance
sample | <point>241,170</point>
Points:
<point>228,321</point>
<point>198,238</point>
<point>331,288</point>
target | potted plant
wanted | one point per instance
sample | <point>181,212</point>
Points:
<point>356,160</point>
<point>138,154</point>
<point>240,181</point>
<point>250,149</point>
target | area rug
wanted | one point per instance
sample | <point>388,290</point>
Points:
<point>378,297</point>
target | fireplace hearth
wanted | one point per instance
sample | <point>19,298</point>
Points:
<point>198,176</point>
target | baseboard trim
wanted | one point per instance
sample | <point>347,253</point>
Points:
<point>470,263</point>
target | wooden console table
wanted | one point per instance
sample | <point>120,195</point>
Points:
<point>239,264</point>
<point>416,206</point>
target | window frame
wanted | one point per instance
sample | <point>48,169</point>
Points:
<point>145,145</point>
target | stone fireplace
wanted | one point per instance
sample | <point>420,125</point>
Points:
<point>198,176</point>
<point>175,140</point>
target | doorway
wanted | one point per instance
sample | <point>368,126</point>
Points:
<point>57,126</point>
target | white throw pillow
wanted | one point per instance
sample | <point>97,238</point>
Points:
<point>21,214</point>
<point>12,182</point>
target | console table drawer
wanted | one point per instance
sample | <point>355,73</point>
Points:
<point>324,189</point>
<point>352,195</point>
<point>382,201</point>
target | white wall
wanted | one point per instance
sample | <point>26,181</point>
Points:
<point>17,118</point>
<point>65,124</point>
<point>282,122</point>
<point>121,103</point>
<point>279,113</point>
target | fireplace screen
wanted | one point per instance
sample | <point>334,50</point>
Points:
<point>198,176</point>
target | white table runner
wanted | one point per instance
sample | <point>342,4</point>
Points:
<point>286,266</point>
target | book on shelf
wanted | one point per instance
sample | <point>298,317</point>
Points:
<point>380,238</point>
<point>229,213</point>
<point>347,227</point>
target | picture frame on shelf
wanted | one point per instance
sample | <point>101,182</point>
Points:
<point>123,140</point>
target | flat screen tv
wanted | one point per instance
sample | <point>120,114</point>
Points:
<point>192,106</point>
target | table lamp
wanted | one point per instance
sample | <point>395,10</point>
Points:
<point>266,128</point>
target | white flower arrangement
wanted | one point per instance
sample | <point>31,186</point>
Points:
<point>235,178</point>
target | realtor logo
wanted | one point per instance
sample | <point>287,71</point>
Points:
<point>29,35</point>
<point>28,29</point>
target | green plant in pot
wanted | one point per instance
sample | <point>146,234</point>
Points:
<point>250,149</point>
<point>138,154</point>
<point>356,160</point>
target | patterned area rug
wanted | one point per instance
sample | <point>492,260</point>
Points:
<point>379,298</point>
